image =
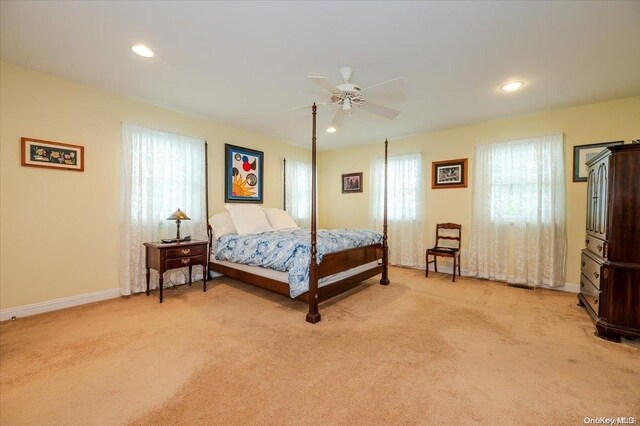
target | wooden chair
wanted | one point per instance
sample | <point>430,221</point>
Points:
<point>451,233</point>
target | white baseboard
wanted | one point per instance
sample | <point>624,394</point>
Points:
<point>54,305</point>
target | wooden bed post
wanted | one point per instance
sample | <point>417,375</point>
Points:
<point>313,316</point>
<point>385,247</point>
<point>284,184</point>
<point>206,205</point>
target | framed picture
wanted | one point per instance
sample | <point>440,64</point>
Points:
<point>243,175</point>
<point>52,155</point>
<point>584,153</point>
<point>449,174</point>
<point>351,182</point>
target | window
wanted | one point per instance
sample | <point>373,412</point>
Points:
<point>519,225</point>
<point>298,191</point>
<point>160,172</point>
<point>518,172</point>
<point>404,207</point>
<point>404,189</point>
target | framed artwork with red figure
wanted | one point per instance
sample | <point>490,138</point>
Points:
<point>243,175</point>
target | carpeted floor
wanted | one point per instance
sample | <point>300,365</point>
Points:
<point>420,351</point>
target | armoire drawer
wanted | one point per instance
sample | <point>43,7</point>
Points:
<point>591,269</point>
<point>591,293</point>
<point>596,246</point>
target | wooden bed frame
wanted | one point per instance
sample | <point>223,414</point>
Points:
<point>332,263</point>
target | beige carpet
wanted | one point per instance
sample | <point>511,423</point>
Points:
<point>420,351</point>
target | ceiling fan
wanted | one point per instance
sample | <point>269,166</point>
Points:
<point>349,96</point>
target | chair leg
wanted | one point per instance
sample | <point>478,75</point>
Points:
<point>459,266</point>
<point>435,262</point>
<point>454,269</point>
<point>426,260</point>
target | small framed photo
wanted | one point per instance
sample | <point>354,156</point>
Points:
<point>584,153</point>
<point>351,182</point>
<point>52,155</point>
<point>449,174</point>
<point>243,175</point>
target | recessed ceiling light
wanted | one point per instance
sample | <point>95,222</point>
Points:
<point>142,50</point>
<point>331,129</point>
<point>512,86</point>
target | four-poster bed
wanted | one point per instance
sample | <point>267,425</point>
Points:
<point>341,270</point>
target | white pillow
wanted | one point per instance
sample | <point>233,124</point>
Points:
<point>222,224</point>
<point>248,218</point>
<point>279,219</point>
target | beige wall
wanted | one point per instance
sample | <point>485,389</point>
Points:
<point>59,229</point>
<point>601,122</point>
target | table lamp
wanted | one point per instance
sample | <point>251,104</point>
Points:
<point>178,215</point>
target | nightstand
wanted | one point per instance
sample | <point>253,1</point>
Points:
<point>163,257</point>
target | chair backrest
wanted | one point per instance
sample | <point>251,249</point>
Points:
<point>450,233</point>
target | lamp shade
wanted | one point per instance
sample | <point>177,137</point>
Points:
<point>178,215</point>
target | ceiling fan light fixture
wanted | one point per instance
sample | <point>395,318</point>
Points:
<point>512,86</point>
<point>347,97</point>
<point>346,73</point>
<point>142,50</point>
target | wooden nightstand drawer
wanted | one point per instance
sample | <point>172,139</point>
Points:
<point>185,261</point>
<point>188,251</point>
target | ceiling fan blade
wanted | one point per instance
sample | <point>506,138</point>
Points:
<point>323,82</point>
<point>384,111</point>
<point>399,82</point>
<point>338,117</point>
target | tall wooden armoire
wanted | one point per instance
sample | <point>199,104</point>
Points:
<point>610,278</point>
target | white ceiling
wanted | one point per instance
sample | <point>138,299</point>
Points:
<point>244,63</point>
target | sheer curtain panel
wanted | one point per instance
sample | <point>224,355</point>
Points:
<point>519,220</point>
<point>298,191</point>
<point>160,172</point>
<point>404,207</point>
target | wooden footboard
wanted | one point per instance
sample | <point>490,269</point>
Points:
<point>332,263</point>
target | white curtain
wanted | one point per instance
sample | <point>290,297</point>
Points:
<point>160,173</point>
<point>298,191</point>
<point>519,225</point>
<point>404,207</point>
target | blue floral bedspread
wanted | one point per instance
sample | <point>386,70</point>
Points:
<point>290,250</point>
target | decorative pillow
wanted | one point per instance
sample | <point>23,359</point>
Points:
<point>248,218</point>
<point>221,224</point>
<point>279,219</point>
